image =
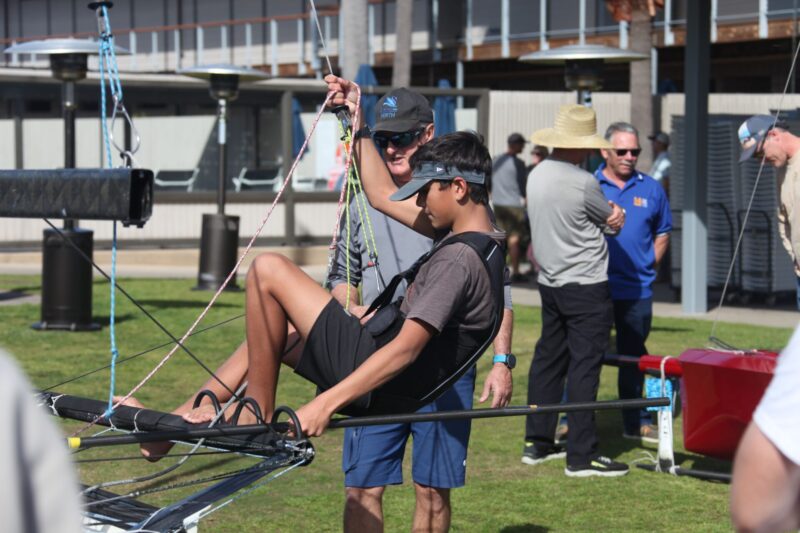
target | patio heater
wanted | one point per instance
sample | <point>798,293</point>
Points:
<point>219,239</point>
<point>583,65</point>
<point>66,275</point>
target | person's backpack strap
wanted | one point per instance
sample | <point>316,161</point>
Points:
<point>386,296</point>
<point>492,255</point>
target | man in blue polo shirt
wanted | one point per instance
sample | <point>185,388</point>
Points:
<point>633,258</point>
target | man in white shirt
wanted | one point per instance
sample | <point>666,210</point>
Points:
<point>661,164</point>
<point>765,493</point>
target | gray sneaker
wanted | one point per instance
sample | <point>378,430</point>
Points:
<point>531,455</point>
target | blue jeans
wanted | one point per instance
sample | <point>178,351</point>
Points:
<point>632,319</point>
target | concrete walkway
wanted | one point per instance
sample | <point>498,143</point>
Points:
<point>737,315</point>
<point>182,263</point>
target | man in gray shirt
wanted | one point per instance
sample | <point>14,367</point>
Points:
<point>568,215</point>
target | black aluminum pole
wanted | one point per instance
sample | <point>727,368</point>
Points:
<point>338,423</point>
<point>68,108</point>
<point>222,119</point>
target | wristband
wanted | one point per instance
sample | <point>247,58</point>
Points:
<point>507,359</point>
<point>363,132</point>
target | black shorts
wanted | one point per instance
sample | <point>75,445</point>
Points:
<point>336,345</point>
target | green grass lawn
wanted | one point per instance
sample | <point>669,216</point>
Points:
<point>501,493</point>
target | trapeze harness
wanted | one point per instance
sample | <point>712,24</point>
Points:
<point>447,356</point>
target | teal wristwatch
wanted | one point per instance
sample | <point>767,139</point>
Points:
<point>507,359</point>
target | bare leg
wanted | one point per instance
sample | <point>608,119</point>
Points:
<point>363,510</point>
<point>232,372</point>
<point>513,253</point>
<point>278,293</point>
<point>432,510</point>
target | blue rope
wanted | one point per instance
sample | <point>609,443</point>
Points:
<point>108,68</point>
<point>112,323</point>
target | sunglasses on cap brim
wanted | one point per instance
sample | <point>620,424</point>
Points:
<point>398,140</point>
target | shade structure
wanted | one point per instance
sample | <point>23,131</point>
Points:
<point>204,72</point>
<point>298,132</point>
<point>60,46</point>
<point>365,77</point>
<point>582,52</point>
<point>444,111</point>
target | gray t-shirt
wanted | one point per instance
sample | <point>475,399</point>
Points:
<point>452,289</point>
<point>567,209</point>
<point>508,180</point>
<point>398,248</point>
<point>40,488</point>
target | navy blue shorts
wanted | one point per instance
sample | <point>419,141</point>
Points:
<point>373,456</point>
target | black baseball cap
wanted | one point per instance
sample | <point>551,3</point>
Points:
<point>659,137</point>
<point>402,110</point>
<point>516,138</point>
<point>428,171</point>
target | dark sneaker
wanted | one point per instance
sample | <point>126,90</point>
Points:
<point>647,433</point>
<point>562,433</point>
<point>599,466</point>
<point>531,455</point>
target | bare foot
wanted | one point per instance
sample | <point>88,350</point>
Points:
<point>201,414</point>
<point>247,418</point>
<point>152,451</point>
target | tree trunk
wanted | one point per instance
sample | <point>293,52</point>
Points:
<point>641,90</point>
<point>401,70</point>
<point>355,51</point>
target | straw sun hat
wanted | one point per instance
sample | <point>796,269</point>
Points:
<point>575,127</point>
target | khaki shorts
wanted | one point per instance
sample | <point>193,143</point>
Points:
<point>512,220</point>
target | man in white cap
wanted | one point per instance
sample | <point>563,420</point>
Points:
<point>768,138</point>
<point>569,214</point>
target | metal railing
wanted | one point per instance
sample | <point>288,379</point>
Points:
<point>261,41</point>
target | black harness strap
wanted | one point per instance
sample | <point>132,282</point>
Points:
<point>396,396</point>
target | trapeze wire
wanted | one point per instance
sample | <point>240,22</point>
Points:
<point>737,248</point>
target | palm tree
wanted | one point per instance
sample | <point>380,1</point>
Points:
<point>639,13</point>
<point>401,71</point>
<point>355,51</point>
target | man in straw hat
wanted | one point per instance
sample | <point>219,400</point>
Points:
<point>569,214</point>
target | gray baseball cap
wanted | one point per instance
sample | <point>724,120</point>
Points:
<point>753,131</point>
<point>429,171</point>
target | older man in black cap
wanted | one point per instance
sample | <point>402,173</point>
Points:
<point>508,199</point>
<point>768,138</point>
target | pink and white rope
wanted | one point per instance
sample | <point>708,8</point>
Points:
<point>247,249</point>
